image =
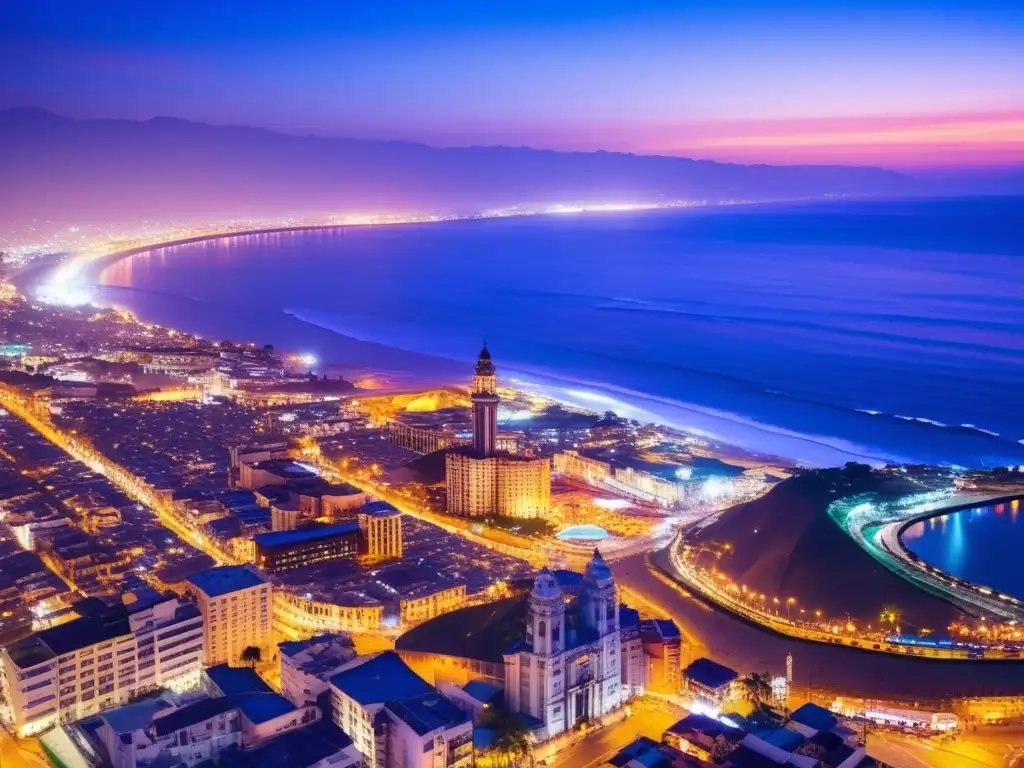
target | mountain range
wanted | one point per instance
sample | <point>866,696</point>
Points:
<point>65,171</point>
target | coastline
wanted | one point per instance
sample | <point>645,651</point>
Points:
<point>807,428</point>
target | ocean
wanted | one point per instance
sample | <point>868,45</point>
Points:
<point>824,332</point>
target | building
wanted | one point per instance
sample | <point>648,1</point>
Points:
<point>425,731</point>
<point>320,745</point>
<point>101,659</point>
<point>502,486</point>
<point>645,752</point>
<point>564,677</point>
<point>709,683</point>
<point>286,550</point>
<point>583,468</point>
<point>235,601</point>
<point>172,731</point>
<point>398,719</point>
<point>482,481</point>
<point>306,665</point>
<point>381,527</point>
<point>701,736</point>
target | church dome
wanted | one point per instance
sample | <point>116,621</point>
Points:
<point>545,585</point>
<point>597,568</point>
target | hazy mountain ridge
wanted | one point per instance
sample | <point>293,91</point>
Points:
<point>67,170</point>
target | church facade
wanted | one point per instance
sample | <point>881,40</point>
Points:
<point>569,668</point>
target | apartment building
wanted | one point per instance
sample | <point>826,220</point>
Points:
<point>108,655</point>
<point>235,602</point>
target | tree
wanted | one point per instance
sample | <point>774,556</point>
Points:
<point>757,688</point>
<point>513,742</point>
<point>252,656</point>
<point>268,348</point>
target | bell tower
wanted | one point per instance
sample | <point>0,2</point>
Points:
<point>547,615</point>
<point>485,405</point>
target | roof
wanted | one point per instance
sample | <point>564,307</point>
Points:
<point>235,680</point>
<point>296,749</point>
<point>482,632</point>
<point>385,677</point>
<point>261,707</point>
<point>784,738</point>
<point>192,714</point>
<point>313,533</point>
<point>379,509</point>
<point>708,726</point>
<point>257,708</point>
<point>427,713</point>
<point>813,716</point>
<point>134,717</point>
<point>70,636</point>
<point>225,579</point>
<point>709,673</point>
<point>482,691</point>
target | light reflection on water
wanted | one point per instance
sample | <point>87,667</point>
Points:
<point>981,545</point>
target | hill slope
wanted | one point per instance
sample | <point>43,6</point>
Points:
<point>786,544</point>
<point>116,170</point>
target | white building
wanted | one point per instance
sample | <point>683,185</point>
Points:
<point>169,731</point>
<point>306,665</point>
<point>235,601</point>
<point>563,677</point>
<point>100,660</point>
<point>396,718</point>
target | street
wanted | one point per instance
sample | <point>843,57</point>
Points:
<point>18,754</point>
<point>988,747</point>
<point>650,717</point>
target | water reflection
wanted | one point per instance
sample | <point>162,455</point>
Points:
<point>981,545</point>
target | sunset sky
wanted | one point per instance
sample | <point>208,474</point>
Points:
<point>901,84</point>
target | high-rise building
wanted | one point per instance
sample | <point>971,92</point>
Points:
<point>381,528</point>
<point>235,601</point>
<point>105,657</point>
<point>485,405</point>
<point>483,481</point>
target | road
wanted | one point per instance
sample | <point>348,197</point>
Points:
<point>817,667</point>
<point>988,747</point>
<point>16,753</point>
<point>650,717</point>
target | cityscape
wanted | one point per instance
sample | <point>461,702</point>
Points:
<point>449,433</point>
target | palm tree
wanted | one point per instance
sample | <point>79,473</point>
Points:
<point>252,656</point>
<point>757,688</point>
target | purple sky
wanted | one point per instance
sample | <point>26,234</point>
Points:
<point>898,83</point>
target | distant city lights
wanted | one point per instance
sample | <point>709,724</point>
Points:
<point>613,504</point>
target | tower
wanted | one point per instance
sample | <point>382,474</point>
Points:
<point>485,405</point>
<point>599,610</point>
<point>547,615</point>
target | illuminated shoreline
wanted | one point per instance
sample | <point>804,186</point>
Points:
<point>62,284</point>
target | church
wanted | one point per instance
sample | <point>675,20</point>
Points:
<point>568,670</point>
<point>483,481</point>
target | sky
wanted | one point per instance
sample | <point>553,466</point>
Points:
<point>900,84</point>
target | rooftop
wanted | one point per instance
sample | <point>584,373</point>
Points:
<point>385,677</point>
<point>236,680</point>
<point>482,691</point>
<point>226,579</point>
<point>306,746</point>
<point>313,533</point>
<point>71,636</point>
<point>709,673</point>
<point>379,509</point>
<point>813,716</point>
<point>427,713</point>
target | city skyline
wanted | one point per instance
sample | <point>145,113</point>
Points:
<point>894,85</point>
